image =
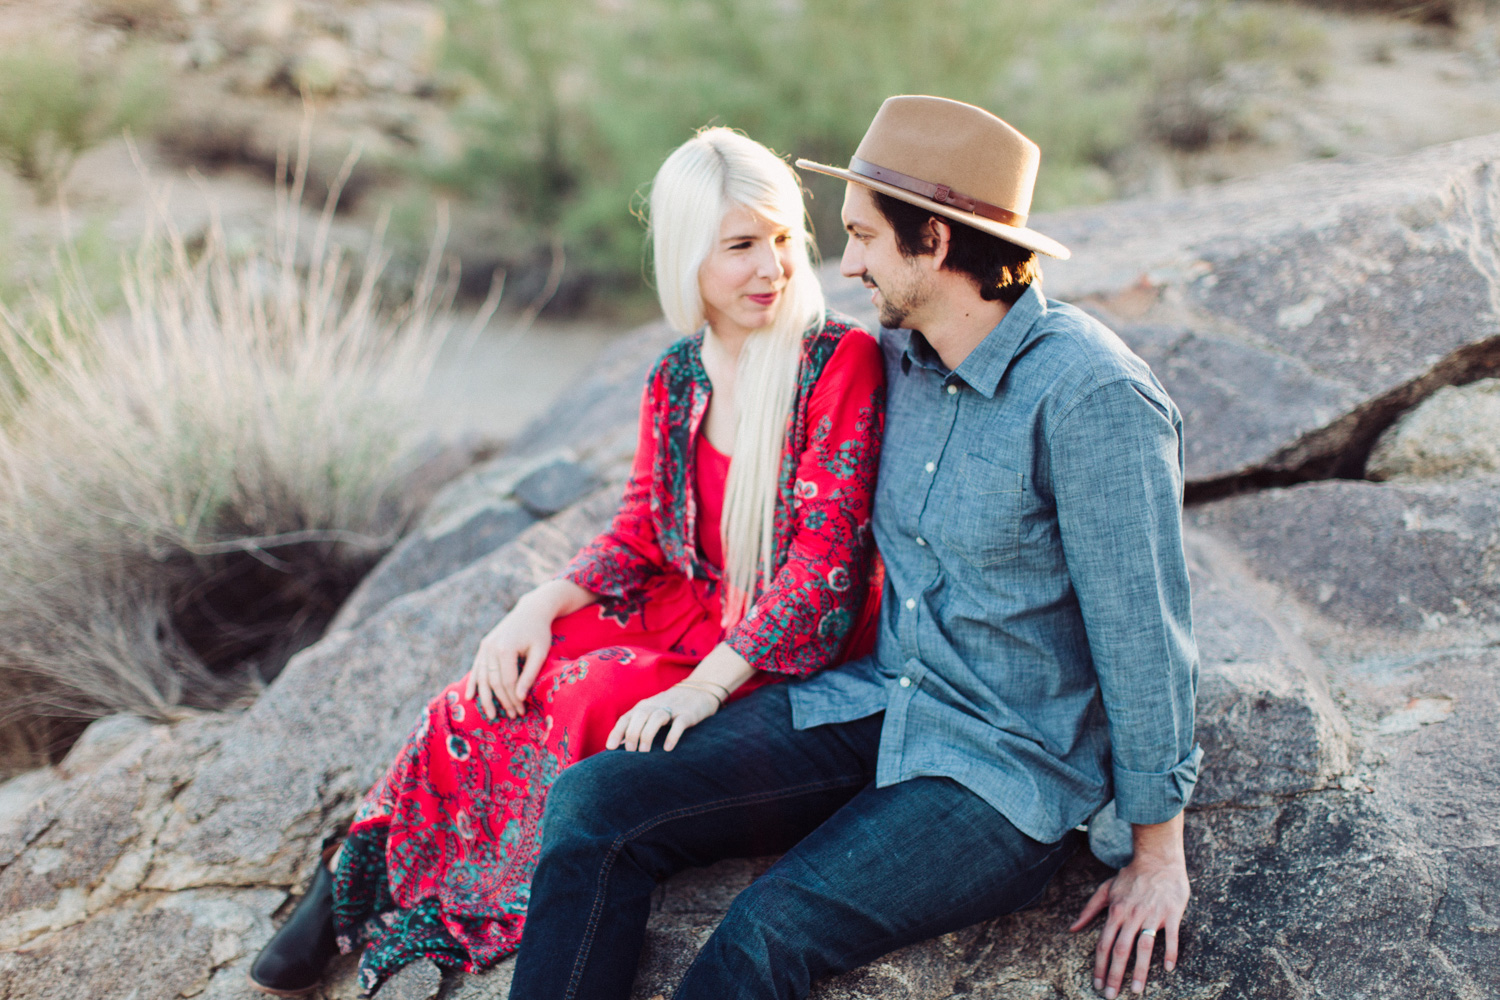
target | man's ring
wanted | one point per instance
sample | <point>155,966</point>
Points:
<point>1148,932</point>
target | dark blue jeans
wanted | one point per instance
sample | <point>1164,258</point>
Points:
<point>866,870</point>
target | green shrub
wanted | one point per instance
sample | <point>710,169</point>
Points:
<point>215,460</point>
<point>570,106</point>
<point>54,108</point>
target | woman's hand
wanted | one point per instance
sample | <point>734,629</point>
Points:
<point>680,705</point>
<point>513,652</point>
<point>688,702</point>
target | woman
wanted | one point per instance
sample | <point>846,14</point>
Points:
<point>739,557</point>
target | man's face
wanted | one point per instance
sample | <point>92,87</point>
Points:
<point>901,286</point>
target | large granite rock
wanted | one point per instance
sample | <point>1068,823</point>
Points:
<point>1342,837</point>
<point>1410,558</point>
<point>1265,719</point>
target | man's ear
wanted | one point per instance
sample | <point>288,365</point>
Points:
<point>938,234</point>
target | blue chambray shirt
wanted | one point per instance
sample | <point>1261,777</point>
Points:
<point>1036,640</point>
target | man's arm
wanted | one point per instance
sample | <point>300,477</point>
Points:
<point>1116,470</point>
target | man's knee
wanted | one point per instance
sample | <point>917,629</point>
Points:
<point>595,803</point>
<point>577,802</point>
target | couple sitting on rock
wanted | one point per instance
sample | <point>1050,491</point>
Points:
<point>919,741</point>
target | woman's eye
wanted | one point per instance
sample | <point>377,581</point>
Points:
<point>740,246</point>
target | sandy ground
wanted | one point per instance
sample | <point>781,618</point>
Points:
<point>501,379</point>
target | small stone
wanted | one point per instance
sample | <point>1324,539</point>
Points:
<point>1453,434</point>
<point>265,23</point>
<point>554,487</point>
<point>323,66</point>
<point>419,980</point>
<point>1418,712</point>
<point>203,51</point>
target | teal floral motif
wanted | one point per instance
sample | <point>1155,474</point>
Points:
<point>845,461</point>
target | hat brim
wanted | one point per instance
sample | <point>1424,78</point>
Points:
<point>1028,238</point>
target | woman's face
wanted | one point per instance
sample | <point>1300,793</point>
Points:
<point>746,273</point>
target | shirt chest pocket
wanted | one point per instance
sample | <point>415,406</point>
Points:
<point>982,522</point>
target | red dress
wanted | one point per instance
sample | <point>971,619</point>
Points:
<point>438,861</point>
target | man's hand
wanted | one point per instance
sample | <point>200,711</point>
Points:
<point>1147,897</point>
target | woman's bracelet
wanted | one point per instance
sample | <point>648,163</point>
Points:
<point>698,681</point>
<point>698,686</point>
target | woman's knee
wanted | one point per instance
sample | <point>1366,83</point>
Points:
<point>449,708</point>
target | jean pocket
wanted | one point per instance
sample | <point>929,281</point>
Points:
<point>983,523</point>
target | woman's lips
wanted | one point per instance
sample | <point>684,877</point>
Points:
<point>764,299</point>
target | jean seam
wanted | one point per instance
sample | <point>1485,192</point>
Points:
<point>697,810</point>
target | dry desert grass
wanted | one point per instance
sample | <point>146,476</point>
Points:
<point>180,484</point>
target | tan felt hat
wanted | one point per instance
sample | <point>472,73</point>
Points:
<point>953,159</point>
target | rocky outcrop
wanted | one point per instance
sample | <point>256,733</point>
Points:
<point>1342,838</point>
<point>1294,318</point>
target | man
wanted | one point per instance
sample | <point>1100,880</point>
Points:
<point>1035,654</point>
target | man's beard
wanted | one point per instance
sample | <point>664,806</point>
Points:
<point>897,304</point>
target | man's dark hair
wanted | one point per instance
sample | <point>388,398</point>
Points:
<point>1001,269</point>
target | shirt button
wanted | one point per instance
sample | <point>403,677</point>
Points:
<point>910,604</point>
<point>929,467</point>
<point>952,389</point>
<point>906,682</point>
<point>921,540</point>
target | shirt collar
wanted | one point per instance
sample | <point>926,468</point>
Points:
<point>987,363</point>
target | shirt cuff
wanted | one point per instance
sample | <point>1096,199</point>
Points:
<point>1143,798</point>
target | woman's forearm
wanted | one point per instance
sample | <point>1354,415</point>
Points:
<point>558,597</point>
<point>722,667</point>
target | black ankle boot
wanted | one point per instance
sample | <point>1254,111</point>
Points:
<point>291,964</point>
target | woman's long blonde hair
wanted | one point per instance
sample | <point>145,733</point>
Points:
<point>703,178</point>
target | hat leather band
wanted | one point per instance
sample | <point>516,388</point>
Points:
<point>940,193</point>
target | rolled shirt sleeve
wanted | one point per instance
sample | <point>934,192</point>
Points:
<point>1117,475</point>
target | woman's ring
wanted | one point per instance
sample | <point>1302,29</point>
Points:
<point>1148,932</point>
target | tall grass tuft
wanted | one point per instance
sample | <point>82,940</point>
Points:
<point>183,484</point>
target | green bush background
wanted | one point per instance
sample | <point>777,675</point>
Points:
<point>567,108</point>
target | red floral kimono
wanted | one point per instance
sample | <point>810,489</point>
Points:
<point>438,862</point>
